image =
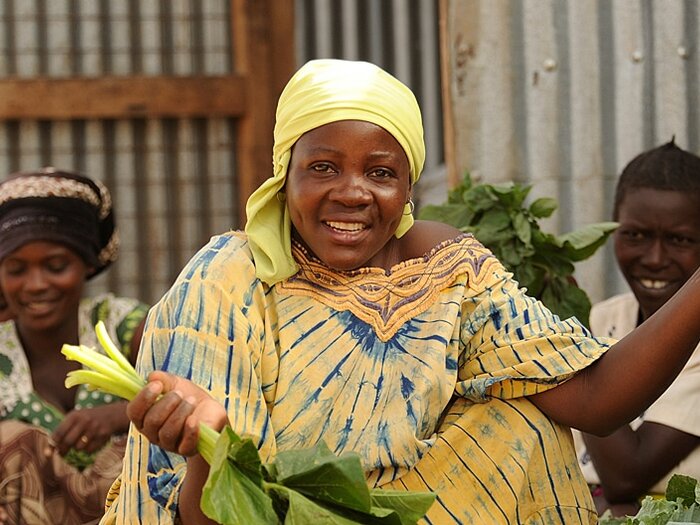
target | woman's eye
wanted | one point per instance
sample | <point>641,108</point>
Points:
<point>56,266</point>
<point>381,173</point>
<point>13,267</point>
<point>322,167</point>
<point>13,270</point>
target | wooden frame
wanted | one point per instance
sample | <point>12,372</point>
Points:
<point>122,97</point>
<point>263,46</point>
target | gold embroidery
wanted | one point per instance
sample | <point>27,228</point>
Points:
<point>386,300</point>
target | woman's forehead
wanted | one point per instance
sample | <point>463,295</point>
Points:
<point>45,248</point>
<point>335,134</point>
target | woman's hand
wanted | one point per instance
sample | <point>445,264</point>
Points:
<point>169,409</point>
<point>89,429</point>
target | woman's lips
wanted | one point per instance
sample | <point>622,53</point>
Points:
<point>39,307</point>
<point>346,226</point>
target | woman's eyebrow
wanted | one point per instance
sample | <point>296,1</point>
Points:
<point>322,149</point>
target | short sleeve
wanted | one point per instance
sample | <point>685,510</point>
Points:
<point>514,346</point>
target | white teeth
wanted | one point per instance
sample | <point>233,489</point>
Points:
<point>39,305</point>
<point>347,226</point>
<point>653,285</point>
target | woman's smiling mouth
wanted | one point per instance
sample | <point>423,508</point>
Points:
<point>39,307</point>
<point>346,226</point>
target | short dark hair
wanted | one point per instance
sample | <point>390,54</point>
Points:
<point>666,167</point>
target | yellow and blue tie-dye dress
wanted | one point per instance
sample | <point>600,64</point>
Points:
<point>423,371</point>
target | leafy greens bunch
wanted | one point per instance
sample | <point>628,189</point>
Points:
<point>681,504</point>
<point>542,262</point>
<point>301,486</point>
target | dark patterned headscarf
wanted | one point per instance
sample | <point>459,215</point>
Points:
<point>62,207</point>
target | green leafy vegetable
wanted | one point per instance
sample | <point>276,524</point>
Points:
<point>233,492</point>
<point>683,488</point>
<point>301,486</point>
<point>542,262</point>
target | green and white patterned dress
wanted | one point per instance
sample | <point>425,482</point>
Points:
<point>19,401</point>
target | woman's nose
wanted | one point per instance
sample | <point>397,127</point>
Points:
<point>352,190</point>
<point>35,280</point>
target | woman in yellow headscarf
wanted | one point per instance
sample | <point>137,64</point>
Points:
<point>335,317</point>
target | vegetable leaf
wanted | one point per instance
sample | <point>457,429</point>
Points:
<point>304,511</point>
<point>229,497</point>
<point>246,457</point>
<point>410,507</point>
<point>318,473</point>
<point>682,488</point>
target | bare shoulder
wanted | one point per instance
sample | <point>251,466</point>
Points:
<point>425,235</point>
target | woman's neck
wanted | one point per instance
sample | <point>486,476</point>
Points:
<point>41,346</point>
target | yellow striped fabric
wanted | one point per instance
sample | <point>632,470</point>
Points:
<point>437,402</point>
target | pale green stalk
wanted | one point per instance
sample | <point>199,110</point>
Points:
<point>98,381</point>
<point>121,380</point>
<point>113,351</point>
<point>207,442</point>
<point>102,364</point>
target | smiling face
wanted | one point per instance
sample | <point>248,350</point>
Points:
<point>658,243</point>
<point>43,284</point>
<point>347,185</point>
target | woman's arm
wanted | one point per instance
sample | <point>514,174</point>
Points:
<point>172,423</point>
<point>135,342</point>
<point>190,511</point>
<point>633,373</point>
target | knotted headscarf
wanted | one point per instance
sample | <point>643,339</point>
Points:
<point>62,207</point>
<point>321,92</point>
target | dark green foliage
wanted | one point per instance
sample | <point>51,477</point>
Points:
<point>300,487</point>
<point>682,489</point>
<point>541,262</point>
<point>5,366</point>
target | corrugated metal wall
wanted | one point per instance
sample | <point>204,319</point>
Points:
<point>563,94</point>
<point>171,178</point>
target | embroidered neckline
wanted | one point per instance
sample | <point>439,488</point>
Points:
<point>386,299</point>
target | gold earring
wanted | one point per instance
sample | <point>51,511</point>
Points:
<point>281,196</point>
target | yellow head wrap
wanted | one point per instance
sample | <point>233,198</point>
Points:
<point>321,92</point>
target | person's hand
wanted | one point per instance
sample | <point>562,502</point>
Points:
<point>169,409</point>
<point>618,510</point>
<point>89,429</point>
